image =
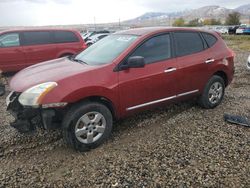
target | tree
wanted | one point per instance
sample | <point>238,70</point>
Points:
<point>180,22</point>
<point>233,19</point>
<point>194,23</point>
<point>212,22</point>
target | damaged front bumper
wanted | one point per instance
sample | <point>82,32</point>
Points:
<point>28,119</point>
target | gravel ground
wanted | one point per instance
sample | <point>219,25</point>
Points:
<point>180,145</point>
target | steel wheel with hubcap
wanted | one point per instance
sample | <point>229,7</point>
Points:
<point>213,93</point>
<point>87,125</point>
<point>90,127</point>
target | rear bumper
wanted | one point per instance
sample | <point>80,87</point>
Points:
<point>28,119</point>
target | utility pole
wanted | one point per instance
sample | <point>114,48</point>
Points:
<point>94,23</point>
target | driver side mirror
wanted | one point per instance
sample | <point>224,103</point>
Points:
<point>134,62</point>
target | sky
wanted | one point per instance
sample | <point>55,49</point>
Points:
<point>65,12</point>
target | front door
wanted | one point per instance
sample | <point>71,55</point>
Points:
<point>12,56</point>
<point>155,83</point>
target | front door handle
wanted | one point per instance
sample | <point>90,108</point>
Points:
<point>209,61</point>
<point>170,70</point>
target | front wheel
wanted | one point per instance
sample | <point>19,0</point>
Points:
<point>213,93</point>
<point>87,125</point>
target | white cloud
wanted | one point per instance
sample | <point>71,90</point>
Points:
<point>56,12</point>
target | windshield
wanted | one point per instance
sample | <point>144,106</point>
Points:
<point>106,50</point>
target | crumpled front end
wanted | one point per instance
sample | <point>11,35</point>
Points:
<point>28,119</point>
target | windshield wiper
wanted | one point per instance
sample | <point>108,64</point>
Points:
<point>72,58</point>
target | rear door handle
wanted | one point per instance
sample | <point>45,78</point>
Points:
<point>170,70</point>
<point>209,61</point>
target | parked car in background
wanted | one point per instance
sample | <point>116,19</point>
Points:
<point>96,38</point>
<point>248,62</point>
<point>232,30</point>
<point>240,30</point>
<point>222,30</point>
<point>246,31</point>
<point>22,48</point>
<point>90,34</point>
<point>125,73</point>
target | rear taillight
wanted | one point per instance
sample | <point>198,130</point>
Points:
<point>231,56</point>
<point>233,53</point>
<point>84,46</point>
<point>219,33</point>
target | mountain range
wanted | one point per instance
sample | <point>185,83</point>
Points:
<point>206,12</point>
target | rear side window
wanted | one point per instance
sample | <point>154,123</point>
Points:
<point>37,37</point>
<point>65,37</point>
<point>155,49</point>
<point>210,39</point>
<point>188,43</point>
<point>9,40</point>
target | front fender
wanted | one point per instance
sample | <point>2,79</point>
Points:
<point>64,95</point>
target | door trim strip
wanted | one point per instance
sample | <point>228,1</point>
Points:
<point>161,100</point>
<point>188,93</point>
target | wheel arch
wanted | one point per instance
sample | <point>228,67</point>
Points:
<point>223,75</point>
<point>100,99</point>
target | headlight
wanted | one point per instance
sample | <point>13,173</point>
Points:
<point>34,95</point>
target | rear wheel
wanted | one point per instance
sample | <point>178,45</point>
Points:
<point>213,93</point>
<point>87,125</point>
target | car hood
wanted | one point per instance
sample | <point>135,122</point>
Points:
<point>50,71</point>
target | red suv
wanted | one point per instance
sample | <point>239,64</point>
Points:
<point>122,74</point>
<point>22,48</point>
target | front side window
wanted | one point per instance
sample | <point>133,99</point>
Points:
<point>9,40</point>
<point>106,50</point>
<point>155,49</point>
<point>188,43</point>
<point>37,37</point>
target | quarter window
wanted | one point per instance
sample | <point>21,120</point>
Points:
<point>37,37</point>
<point>155,49</point>
<point>65,37</point>
<point>188,43</point>
<point>210,39</point>
<point>9,40</point>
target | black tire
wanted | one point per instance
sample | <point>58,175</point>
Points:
<point>72,118</point>
<point>205,99</point>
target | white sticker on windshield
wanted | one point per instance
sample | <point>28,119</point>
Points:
<point>125,39</point>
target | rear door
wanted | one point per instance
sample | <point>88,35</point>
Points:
<point>12,57</point>
<point>68,42</point>
<point>192,55</point>
<point>38,46</point>
<point>153,84</point>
